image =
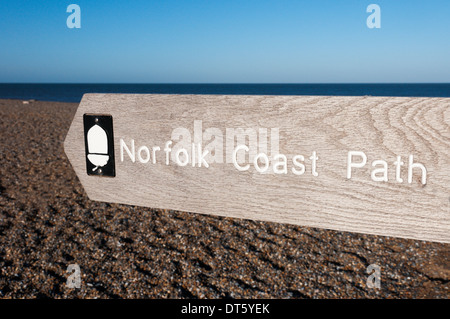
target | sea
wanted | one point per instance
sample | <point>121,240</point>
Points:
<point>74,92</point>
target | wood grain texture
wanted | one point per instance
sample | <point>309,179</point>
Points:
<point>382,127</point>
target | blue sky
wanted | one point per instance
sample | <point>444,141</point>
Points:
<point>226,41</point>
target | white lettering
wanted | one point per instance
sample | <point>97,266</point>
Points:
<point>383,170</point>
<point>131,153</point>
<point>264,159</point>
<point>234,158</point>
<point>413,165</point>
<point>295,161</point>
<point>350,164</point>
<point>185,156</point>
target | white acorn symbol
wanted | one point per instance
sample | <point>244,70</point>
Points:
<point>97,147</point>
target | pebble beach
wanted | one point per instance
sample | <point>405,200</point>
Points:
<point>47,223</point>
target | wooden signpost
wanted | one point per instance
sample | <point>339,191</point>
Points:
<point>376,165</point>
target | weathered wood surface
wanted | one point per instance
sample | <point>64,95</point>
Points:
<point>382,127</point>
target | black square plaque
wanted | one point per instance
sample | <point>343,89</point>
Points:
<point>99,145</point>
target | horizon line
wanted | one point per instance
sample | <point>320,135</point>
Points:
<point>224,83</point>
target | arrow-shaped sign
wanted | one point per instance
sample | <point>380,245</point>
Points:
<point>377,165</point>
